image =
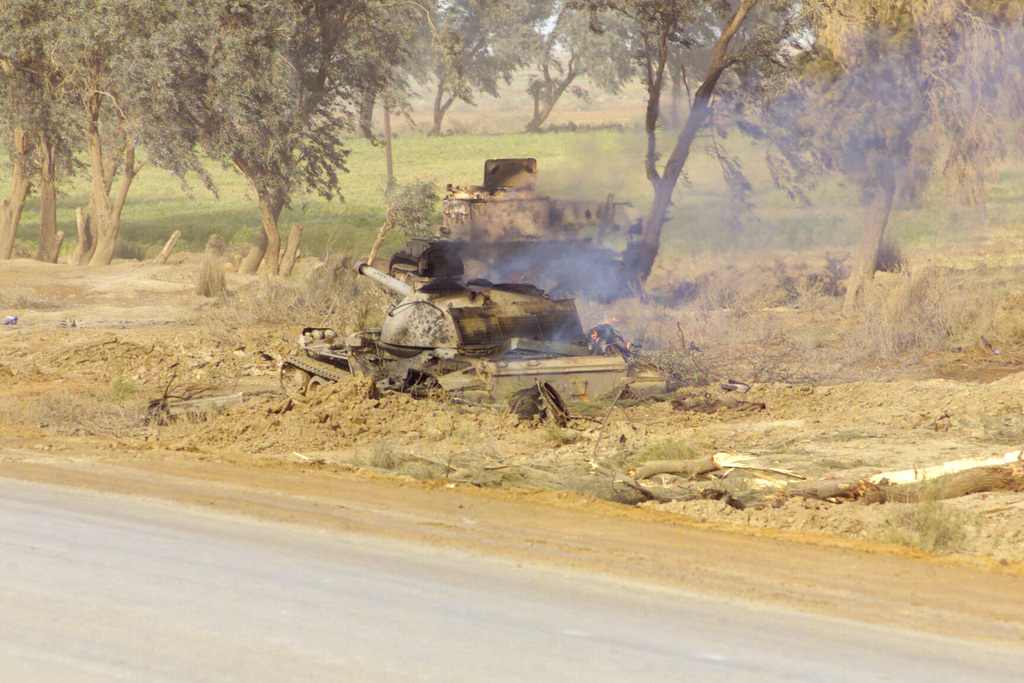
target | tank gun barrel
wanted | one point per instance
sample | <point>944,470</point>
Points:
<point>385,280</point>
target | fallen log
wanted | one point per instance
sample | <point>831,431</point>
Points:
<point>692,469</point>
<point>963,483</point>
<point>825,490</point>
<point>926,473</point>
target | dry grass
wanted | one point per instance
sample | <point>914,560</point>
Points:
<point>127,249</point>
<point>72,413</point>
<point>330,295</point>
<point>668,449</point>
<point>17,299</point>
<point>211,280</point>
<point>931,310</point>
<point>930,525</point>
<point>778,319</point>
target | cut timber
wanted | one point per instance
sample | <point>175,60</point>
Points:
<point>169,247</point>
<point>922,474</point>
<point>823,490</point>
<point>201,405</point>
<point>694,468</point>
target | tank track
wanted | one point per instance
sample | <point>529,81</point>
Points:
<point>317,368</point>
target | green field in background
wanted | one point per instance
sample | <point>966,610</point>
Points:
<point>572,165</point>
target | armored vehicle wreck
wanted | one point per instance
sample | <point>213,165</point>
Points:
<point>505,231</point>
<point>472,340</point>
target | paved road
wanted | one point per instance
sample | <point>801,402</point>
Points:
<point>104,588</point>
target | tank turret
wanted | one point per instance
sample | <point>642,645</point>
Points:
<point>475,317</point>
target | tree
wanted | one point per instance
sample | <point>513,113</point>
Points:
<point>385,77</point>
<point>750,41</point>
<point>283,76</point>
<point>108,76</point>
<point>31,114</point>
<point>13,105</point>
<point>570,50</point>
<point>901,93</point>
<point>476,44</point>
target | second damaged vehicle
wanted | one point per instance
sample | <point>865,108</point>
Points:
<point>474,341</point>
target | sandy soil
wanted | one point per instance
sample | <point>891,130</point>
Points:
<point>75,400</point>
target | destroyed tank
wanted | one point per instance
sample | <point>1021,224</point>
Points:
<point>472,340</point>
<point>506,231</point>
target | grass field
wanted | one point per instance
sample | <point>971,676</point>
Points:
<point>584,164</point>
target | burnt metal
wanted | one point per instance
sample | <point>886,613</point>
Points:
<point>476,341</point>
<point>505,231</point>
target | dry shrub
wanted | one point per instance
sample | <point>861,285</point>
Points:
<point>930,525</point>
<point>71,414</point>
<point>932,310</point>
<point>126,249</point>
<point>669,449</point>
<point>328,295</point>
<point>723,345</point>
<point>211,281</point>
<point>890,258</point>
<point>16,298</point>
<point>765,282</point>
<point>683,365</point>
<point>385,457</point>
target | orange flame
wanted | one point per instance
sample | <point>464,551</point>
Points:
<point>609,321</point>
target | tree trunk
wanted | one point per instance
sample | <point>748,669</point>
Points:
<point>870,241</point>
<point>541,114</point>
<point>269,212</point>
<point>21,185</point>
<point>106,233</point>
<point>366,105</point>
<point>251,263</point>
<point>677,95</point>
<point>49,248</point>
<point>640,256</point>
<point>441,106</point>
<point>105,214</point>
<point>291,252</point>
<point>169,247</point>
<point>86,242</point>
<point>389,164</point>
<point>266,250</point>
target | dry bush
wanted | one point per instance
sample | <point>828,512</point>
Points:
<point>71,414</point>
<point>16,298</point>
<point>126,249</point>
<point>764,282</point>
<point>385,457</point>
<point>685,365</point>
<point>932,310</point>
<point>668,449</point>
<point>211,280</point>
<point>890,258</point>
<point>930,525</point>
<point>328,295</point>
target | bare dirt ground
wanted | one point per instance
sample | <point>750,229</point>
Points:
<point>73,409</point>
